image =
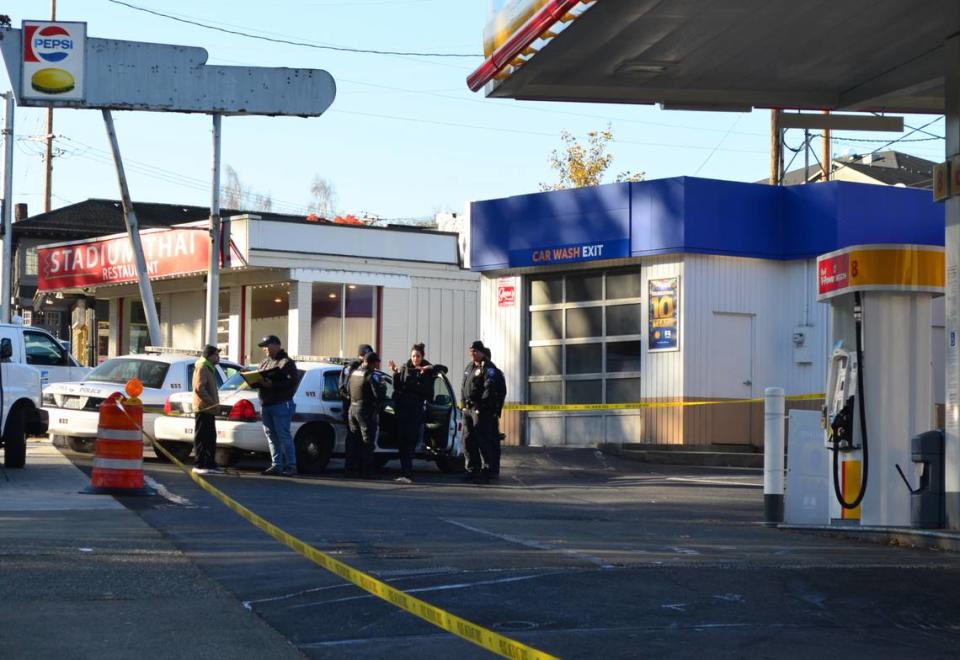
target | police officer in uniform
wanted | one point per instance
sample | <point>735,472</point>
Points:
<point>500,388</point>
<point>479,400</point>
<point>367,394</point>
<point>353,439</point>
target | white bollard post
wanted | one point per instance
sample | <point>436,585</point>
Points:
<point>773,450</point>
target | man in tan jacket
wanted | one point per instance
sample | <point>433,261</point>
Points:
<point>206,402</point>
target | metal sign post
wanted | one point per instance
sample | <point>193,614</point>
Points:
<point>54,64</point>
<point>6,276</point>
<point>213,276</point>
<point>133,228</point>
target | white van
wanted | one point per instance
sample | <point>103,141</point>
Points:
<point>38,348</point>
<point>20,387</point>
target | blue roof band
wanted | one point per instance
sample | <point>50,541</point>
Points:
<point>701,216</point>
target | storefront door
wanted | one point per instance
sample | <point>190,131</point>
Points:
<point>731,351</point>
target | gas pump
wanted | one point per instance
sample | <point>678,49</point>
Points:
<point>844,384</point>
<point>879,375</point>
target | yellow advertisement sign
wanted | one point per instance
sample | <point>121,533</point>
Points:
<point>918,268</point>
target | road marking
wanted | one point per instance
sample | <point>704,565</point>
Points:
<point>714,482</point>
<point>440,587</point>
<point>248,604</point>
<point>553,632</point>
<point>407,574</point>
<point>532,544</point>
<point>166,494</point>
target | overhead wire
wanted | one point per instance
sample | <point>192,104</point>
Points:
<point>500,129</point>
<point>291,42</point>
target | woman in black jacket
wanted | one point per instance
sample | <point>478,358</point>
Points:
<point>412,387</point>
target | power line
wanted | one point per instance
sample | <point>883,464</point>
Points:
<point>846,139</point>
<point>488,103</point>
<point>289,42</point>
<point>919,129</point>
<point>500,129</point>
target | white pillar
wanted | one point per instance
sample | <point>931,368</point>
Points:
<point>299,318</point>
<point>234,347</point>
<point>898,385</point>
<point>113,343</point>
<point>774,407</point>
<point>952,207</point>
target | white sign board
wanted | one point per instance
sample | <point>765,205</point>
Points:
<point>53,61</point>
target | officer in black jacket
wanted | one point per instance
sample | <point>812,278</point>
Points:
<point>367,394</point>
<point>276,389</point>
<point>412,389</point>
<point>500,388</point>
<point>353,439</point>
<point>478,399</point>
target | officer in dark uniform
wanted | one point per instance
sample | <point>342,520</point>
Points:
<point>353,439</point>
<point>478,398</point>
<point>367,394</point>
<point>500,388</point>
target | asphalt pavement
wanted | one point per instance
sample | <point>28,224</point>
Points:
<point>83,576</point>
<point>573,552</point>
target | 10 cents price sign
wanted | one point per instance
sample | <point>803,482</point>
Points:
<point>664,298</point>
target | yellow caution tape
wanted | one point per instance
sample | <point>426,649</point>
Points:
<point>639,405</point>
<point>488,639</point>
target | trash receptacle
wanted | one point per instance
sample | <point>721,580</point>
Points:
<point>927,500</point>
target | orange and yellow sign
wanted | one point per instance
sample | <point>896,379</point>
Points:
<point>917,268</point>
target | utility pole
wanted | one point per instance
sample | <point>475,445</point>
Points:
<point>7,274</point>
<point>213,275</point>
<point>48,158</point>
<point>776,155</point>
<point>826,156</point>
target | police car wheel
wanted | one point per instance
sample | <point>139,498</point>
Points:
<point>180,450</point>
<point>81,445</point>
<point>226,457</point>
<point>450,464</point>
<point>314,445</point>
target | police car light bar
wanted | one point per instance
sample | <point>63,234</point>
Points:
<point>320,358</point>
<point>170,350</point>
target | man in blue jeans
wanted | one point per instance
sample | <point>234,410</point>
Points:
<point>276,390</point>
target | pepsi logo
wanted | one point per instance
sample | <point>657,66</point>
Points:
<point>52,43</point>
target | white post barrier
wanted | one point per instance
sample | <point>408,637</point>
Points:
<point>773,451</point>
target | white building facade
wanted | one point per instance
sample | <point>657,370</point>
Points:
<point>323,289</point>
<point>670,294</point>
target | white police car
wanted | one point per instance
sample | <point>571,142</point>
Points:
<point>73,408</point>
<point>318,427</point>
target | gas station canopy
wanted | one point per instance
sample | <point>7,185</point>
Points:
<point>880,55</point>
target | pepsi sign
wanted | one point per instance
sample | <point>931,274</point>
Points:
<point>53,60</point>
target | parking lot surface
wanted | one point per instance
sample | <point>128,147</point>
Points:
<point>573,552</point>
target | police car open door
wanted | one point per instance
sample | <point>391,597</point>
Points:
<point>441,423</point>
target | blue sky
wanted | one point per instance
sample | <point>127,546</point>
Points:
<point>404,138</point>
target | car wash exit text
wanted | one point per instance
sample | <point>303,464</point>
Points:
<point>548,256</point>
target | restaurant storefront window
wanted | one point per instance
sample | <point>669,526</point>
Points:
<point>269,309</point>
<point>343,317</point>
<point>138,336</point>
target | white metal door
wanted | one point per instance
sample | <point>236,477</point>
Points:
<point>731,351</point>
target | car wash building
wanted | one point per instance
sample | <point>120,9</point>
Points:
<point>679,294</point>
<point>322,288</point>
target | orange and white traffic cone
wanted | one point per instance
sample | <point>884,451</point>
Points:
<point>118,461</point>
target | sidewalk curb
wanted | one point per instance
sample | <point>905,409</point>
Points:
<point>903,536</point>
<point>661,455</point>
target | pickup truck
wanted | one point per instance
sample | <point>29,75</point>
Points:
<point>30,358</point>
